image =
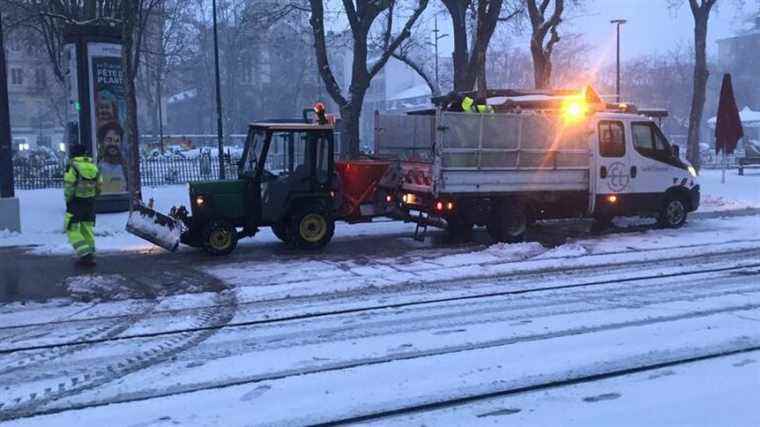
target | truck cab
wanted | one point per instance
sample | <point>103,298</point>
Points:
<point>284,182</point>
<point>638,172</point>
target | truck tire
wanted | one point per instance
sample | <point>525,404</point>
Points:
<point>601,223</point>
<point>459,231</point>
<point>673,213</point>
<point>281,231</point>
<point>311,228</point>
<point>508,223</point>
<point>219,238</point>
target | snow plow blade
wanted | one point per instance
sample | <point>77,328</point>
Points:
<point>155,227</point>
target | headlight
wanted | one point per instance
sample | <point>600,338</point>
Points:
<point>692,171</point>
<point>200,201</point>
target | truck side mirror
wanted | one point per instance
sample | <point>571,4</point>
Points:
<point>676,151</point>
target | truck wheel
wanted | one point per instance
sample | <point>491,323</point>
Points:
<point>673,213</point>
<point>601,223</point>
<point>219,238</point>
<point>459,231</point>
<point>508,224</point>
<point>311,229</point>
<point>281,231</point>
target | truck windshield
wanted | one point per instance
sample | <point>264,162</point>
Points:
<point>253,152</point>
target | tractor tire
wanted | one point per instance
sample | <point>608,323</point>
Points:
<point>311,228</point>
<point>673,213</point>
<point>508,222</point>
<point>281,231</point>
<point>219,238</point>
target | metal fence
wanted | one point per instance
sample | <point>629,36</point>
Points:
<point>49,174</point>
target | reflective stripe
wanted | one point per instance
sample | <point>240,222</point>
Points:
<point>79,244</point>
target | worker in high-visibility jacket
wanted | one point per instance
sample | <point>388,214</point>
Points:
<point>81,184</point>
<point>470,106</point>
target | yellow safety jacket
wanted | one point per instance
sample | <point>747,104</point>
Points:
<point>468,106</point>
<point>82,179</point>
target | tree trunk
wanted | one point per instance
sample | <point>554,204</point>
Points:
<point>540,66</point>
<point>129,70</point>
<point>701,75</point>
<point>458,11</point>
<point>350,114</point>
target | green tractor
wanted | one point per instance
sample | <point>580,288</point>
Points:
<point>285,181</point>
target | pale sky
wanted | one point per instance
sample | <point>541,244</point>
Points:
<point>652,27</point>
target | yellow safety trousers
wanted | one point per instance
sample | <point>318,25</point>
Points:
<point>81,236</point>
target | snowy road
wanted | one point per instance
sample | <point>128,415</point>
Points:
<point>495,336</point>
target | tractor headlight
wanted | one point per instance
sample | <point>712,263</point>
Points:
<point>692,171</point>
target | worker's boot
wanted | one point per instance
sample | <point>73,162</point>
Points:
<point>87,260</point>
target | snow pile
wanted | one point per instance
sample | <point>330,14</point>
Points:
<point>107,287</point>
<point>568,250</point>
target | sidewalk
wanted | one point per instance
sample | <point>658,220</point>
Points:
<point>25,277</point>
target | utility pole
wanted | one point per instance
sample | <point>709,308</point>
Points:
<point>6,160</point>
<point>619,23</point>
<point>220,132</point>
<point>437,37</point>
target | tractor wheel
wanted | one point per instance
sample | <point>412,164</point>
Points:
<point>219,238</point>
<point>508,223</point>
<point>281,231</point>
<point>673,213</point>
<point>311,228</point>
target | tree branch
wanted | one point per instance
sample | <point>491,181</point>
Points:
<point>405,33</point>
<point>320,47</point>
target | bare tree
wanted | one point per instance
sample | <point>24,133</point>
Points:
<point>361,15</point>
<point>700,10</point>
<point>413,53</point>
<point>469,59</point>
<point>540,48</point>
<point>134,15</point>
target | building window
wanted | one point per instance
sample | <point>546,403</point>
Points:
<point>40,79</point>
<point>17,76</point>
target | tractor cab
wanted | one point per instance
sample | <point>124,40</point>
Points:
<point>287,165</point>
<point>285,181</point>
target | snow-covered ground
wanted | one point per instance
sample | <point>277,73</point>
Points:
<point>233,362</point>
<point>42,215</point>
<point>638,327</point>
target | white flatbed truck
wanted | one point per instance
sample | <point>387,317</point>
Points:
<point>541,155</point>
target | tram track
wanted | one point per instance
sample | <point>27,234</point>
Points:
<point>364,362</point>
<point>506,392</point>
<point>64,385</point>
<point>372,308</point>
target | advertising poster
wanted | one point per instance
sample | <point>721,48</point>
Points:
<point>109,115</point>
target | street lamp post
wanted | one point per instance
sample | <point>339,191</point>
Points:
<point>618,23</point>
<point>6,162</point>
<point>220,132</point>
<point>437,37</point>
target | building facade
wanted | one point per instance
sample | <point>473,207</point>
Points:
<point>33,95</point>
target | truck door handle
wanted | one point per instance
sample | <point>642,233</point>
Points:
<point>603,172</point>
<point>634,171</point>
